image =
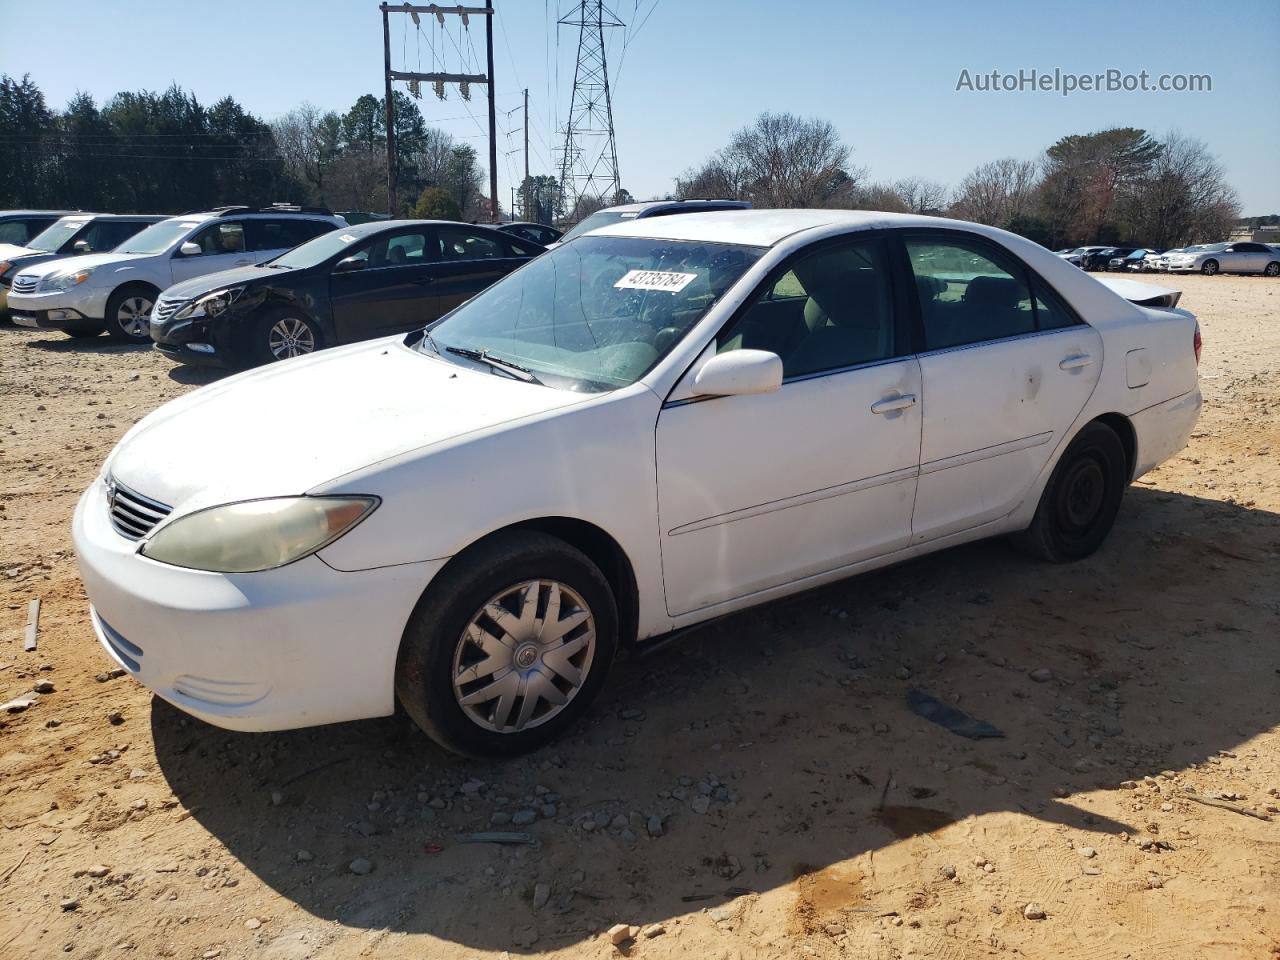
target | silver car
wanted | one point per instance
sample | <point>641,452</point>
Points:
<point>1210,258</point>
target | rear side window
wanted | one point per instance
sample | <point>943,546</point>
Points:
<point>407,249</point>
<point>1051,312</point>
<point>965,295</point>
<point>830,311</point>
<point>18,231</point>
<point>283,234</point>
<point>458,243</point>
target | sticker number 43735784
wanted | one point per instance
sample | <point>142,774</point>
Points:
<point>655,280</point>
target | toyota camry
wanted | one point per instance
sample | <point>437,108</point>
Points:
<point>656,424</point>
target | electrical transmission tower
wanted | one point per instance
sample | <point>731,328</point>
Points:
<point>589,161</point>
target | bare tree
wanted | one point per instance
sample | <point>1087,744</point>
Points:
<point>996,192</point>
<point>879,196</point>
<point>1183,198</point>
<point>920,195</point>
<point>309,141</point>
<point>780,160</point>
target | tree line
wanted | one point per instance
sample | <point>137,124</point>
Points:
<point>142,151</point>
<point>147,152</point>
<point>1115,186</point>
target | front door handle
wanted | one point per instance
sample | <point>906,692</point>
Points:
<point>1075,362</point>
<point>890,404</point>
<point>424,281</point>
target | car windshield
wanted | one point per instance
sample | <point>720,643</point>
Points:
<point>601,218</point>
<point>55,236</point>
<point>158,237</point>
<point>314,252</point>
<point>595,315</point>
<point>1136,255</point>
<point>1212,247</point>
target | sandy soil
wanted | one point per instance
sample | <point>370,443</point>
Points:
<point>1133,799</point>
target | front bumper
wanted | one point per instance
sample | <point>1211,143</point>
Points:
<point>294,647</point>
<point>204,341</point>
<point>1179,267</point>
<point>55,311</point>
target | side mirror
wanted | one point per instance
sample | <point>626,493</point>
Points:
<point>190,249</point>
<point>739,372</point>
<point>80,246</point>
<point>349,264</point>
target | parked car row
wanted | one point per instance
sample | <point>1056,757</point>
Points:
<point>1209,258</point>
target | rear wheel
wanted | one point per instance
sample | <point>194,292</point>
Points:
<point>1210,268</point>
<point>1081,500</point>
<point>509,646</point>
<point>129,314</point>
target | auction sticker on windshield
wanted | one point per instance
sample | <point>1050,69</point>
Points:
<point>655,280</point>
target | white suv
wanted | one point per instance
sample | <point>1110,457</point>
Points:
<point>116,290</point>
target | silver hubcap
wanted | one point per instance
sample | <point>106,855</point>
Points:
<point>134,316</point>
<point>290,337</point>
<point>524,656</point>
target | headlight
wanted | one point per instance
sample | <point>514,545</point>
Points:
<point>4,267</point>
<point>256,534</point>
<point>65,281</point>
<point>211,304</point>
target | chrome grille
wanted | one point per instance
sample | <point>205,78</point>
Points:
<point>165,309</point>
<point>24,283</point>
<point>132,514</point>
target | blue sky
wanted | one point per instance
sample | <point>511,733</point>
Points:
<point>884,73</point>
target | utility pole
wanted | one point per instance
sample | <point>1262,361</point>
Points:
<point>589,161</point>
<point>524,192</point>
<point>391,116</point>
<point>440,12</point>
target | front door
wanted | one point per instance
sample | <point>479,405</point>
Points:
<point>1007,368</point>
<point>759,491</point>
<point>394,292</point>
<point>222,247</point>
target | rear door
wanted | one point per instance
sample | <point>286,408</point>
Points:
<point>396,291</point>
<point>1006,369</point>
<point>470,259</point>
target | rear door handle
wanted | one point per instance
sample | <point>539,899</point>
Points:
<point>424,281</point>
<point>1076,362</point>
<point>890,404</point>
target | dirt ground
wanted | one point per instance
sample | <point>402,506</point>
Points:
<point>727,795</point>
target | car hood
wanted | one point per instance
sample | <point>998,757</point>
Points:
<point>10,250</point>
<point>189,289</point>
<point>81,261</point>
<point>286,428</point>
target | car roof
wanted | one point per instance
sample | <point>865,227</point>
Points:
<point>764,228</point>
<point>11,214</point>
<point>155,217</point>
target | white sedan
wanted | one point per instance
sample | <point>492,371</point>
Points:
<point>654,425</point>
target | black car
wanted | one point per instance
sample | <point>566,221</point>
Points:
<point>539,233</point>
<point>357,283</point>
<point>1100,259</point>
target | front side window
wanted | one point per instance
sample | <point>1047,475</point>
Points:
<point>832,309</point>
<point>965,296</point>
<point>222,237</point>
<point>16,232</point>
<point>597,314</point>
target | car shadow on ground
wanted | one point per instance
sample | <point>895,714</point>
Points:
<point>777,744</point>
<point>103,344</point>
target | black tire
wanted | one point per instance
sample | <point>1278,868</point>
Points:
<point>1272,269</point>
<point>83,331</point>
<point>434,637</point>
<point>124,310</point>
<point>1209,268</point>
<point>267,340</point>
<point>1081,500</point>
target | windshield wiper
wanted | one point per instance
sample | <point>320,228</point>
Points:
<point>498,363</point>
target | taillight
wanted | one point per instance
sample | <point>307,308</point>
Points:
<point>1197,344</point>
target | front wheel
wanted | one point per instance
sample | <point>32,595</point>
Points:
<point>1272,269</point>
<point>282,334</point>
<point>1081,500</point>
<point>1210,268</point>
<point>129,314</point>
<point>509,646</point>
